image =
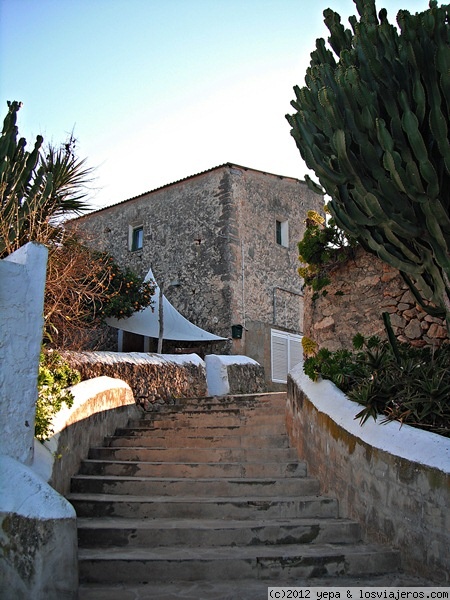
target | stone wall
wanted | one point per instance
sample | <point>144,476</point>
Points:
<point>158,379</point>
<point>233,375</point>
<point>394,480</point>
<point>154,379</point>
<point>362,289</point>
<point>100,406</point>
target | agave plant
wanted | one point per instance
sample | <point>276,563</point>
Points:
<point>394,381</point>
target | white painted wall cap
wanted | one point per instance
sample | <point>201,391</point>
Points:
<point>28,495</point>
<point>407,442</point>
<point>232,359</point>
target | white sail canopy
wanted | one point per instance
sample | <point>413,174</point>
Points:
<point>176,327</point>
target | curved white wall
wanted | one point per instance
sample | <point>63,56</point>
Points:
<point>100,406</point>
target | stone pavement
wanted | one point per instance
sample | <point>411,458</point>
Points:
<point>237,590</point>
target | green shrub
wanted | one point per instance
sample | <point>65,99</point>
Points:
<point>128,293</point>
<point>322,247</point>
<point>402,383</point>
<point>55,376</point>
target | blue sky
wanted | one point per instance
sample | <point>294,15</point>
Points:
<point>157,90</point>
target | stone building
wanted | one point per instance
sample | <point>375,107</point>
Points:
<point>223,246</point>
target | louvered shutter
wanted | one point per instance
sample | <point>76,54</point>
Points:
<point>295,350</point>
<point>279,357</point>
<point>286,353</point>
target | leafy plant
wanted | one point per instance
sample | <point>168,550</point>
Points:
<point>128,293</point>
<point>322,247</point>
<point>55,376</point>
<point>410,385</point>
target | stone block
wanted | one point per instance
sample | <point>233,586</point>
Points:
<point>324,324</point>
<point>437,331</point>
<point>413,330</point>
<point>403,306</point>
<point>233,375</point>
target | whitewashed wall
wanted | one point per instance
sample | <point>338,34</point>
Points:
<point>22,283</point>
<point>38,556</point>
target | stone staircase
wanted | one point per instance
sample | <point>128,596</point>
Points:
<point>209,490</point>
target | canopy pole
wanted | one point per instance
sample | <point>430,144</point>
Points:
<point>161,319</point>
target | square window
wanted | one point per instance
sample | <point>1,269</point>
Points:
<point>282,233</point>
<point>137,238</point>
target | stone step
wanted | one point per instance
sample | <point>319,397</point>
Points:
<point>243,589</point>
<point>174,413</point>
<point>190,440</point>
<point>110,531</point>
<point>192,455</point>
<point>222,417</point>
<point>93,484</point>
<point>275,399</point>
<point>292,468</point>
<point>218,409</point>
<point>141,565</point>
<point>138,427</point>
<point>250,507</point>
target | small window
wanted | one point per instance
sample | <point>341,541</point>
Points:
<point>137,238</point>
<point>282,233</point>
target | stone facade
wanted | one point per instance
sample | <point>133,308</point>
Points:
<point>211,241</point>
<point>361,289</point>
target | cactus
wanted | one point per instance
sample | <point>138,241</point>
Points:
<point>24,186</point>
<point>34,189</point>
<point>372,122</point>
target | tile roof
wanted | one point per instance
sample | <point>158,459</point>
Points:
<point>228,164</point>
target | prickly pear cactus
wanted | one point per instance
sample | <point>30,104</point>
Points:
<point>372,123</point>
